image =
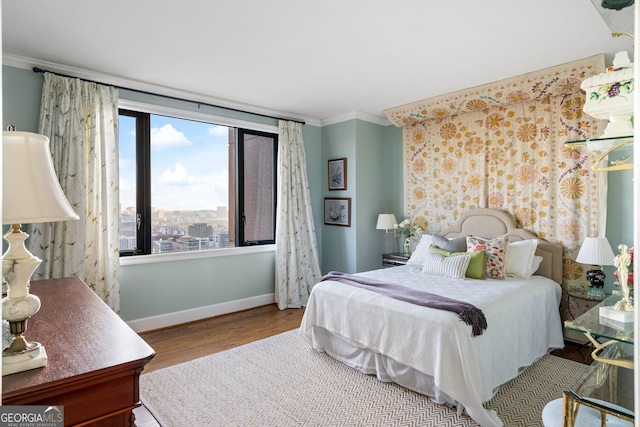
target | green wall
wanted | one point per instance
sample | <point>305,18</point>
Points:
<point>374,184</point>
<point>21,93</point>
<point>619,215</point>
<point>393,186</point>
<point>159,288</point>
<point>338,242</point>
<point>371,179</point>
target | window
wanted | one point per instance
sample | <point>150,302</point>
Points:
<point>191,185</point>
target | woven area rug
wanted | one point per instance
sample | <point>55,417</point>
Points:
<point>281,381</point>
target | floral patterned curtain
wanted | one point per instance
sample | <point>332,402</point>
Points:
<point>297,261</point>
<point>502,146</point>
<point>81,119</point>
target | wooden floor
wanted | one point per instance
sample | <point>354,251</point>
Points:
<point>196,339</point>
<point>192,340</point>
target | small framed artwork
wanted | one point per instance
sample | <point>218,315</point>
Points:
<point>337,211</point>
<point>338,174</point>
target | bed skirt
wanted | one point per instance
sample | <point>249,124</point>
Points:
<point>383,367</point>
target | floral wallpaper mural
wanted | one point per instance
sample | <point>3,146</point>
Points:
<point>502,146</point>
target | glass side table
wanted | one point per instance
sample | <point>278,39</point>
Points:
<point>608,384</point>
<point>593,326</point>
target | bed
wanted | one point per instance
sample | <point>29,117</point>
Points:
<point>431,351</point>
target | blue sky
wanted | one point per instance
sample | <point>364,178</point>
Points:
<point>189,164</point>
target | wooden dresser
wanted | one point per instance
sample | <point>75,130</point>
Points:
<point>95,358</point>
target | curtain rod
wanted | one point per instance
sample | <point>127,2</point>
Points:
<point>175,98</point>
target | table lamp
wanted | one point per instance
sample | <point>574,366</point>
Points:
<point>30,194</point>
<point>385,222</point>
<point>595,251</point>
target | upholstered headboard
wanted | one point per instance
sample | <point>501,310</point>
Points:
<point>491,223</point>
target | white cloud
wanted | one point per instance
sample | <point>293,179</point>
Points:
<point>127,192</point>
<point>167,136</point>
<point>194,192</point>
<point>177,176</point>
<point>221,180</point>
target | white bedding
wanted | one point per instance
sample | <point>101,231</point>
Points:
<point>523,325</point>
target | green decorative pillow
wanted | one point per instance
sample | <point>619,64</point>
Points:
<point>475,270</point>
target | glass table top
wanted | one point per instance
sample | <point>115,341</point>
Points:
<point>597,326</point>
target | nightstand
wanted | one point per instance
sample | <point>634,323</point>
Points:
<point>394,259</point>
<point>586,304</point>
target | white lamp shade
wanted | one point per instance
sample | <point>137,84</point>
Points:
<point>595,251</point>
<point>385,221</point>
<point>31,192</point>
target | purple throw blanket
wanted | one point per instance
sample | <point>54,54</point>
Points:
<point>468,313</point>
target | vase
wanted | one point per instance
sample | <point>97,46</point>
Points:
<point>610,96</point>
<point>407,246</point>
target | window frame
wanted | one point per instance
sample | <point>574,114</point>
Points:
<point>142,112</point>
<point>143,182</point>
<point>240,201</point>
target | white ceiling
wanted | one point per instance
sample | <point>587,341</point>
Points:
<point>315,60</point>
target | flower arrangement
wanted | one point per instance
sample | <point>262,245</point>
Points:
<point>406,231</point>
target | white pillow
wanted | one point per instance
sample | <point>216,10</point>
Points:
<point>454,267</point>
<point>535,264</point>
<point>419,255</point>
<point>519,258</point>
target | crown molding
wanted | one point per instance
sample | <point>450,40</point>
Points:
<point>356,115</point>
<point>17,61</point>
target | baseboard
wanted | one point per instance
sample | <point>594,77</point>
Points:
<point>184,316</point>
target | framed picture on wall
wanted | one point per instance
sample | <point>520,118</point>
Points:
<point>338,174</point>
<point>337,211</point>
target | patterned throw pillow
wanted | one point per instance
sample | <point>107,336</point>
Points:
<point>496,249</point>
